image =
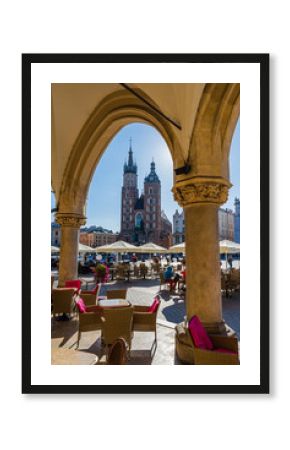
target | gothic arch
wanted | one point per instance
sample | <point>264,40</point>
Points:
<point>214,126</point>
<point>113,113</point>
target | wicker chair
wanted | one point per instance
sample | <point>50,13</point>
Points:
<point>63,300</point>
<point>90,321</point>
<point>143,270</point>
<point>116,293</point>
<point>163,281</point>
<point>144,319</point>
<point>117,323</point>
<point>188,353</point>
<point>224,283</point>
<point>90,297</point>
<point>136,271</point>
<point>118,353</point>
<point>234,280</point>
<point>121,273</point>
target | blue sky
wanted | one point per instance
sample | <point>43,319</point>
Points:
<point>104,197</point>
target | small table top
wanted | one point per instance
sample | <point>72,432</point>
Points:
<point>113,303</point>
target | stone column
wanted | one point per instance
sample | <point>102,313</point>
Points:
<point>70,231</point>
<point>201,197</point>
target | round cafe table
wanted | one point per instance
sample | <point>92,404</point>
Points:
<point>113,303</point>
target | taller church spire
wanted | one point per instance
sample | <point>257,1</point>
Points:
<point>130,167</point>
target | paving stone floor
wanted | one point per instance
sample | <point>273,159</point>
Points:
<point>140,292</point>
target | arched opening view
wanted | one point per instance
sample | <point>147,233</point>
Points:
<point>146,212</point>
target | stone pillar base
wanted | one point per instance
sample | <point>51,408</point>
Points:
<point>220,328</point>
<point>216,327</point>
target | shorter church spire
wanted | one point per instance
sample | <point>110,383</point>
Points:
<point>152,177</point>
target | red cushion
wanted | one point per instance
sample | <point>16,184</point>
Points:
<point>81,305</point>
<point>153,308</point>
<point>225,350</point>
<point>73,283</point>
<point>199,335</point>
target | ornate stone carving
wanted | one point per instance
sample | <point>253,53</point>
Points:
<point>70,220</point>
<point>201,190</point>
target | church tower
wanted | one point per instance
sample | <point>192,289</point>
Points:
<point>129,197</point>
<point>152,206</point>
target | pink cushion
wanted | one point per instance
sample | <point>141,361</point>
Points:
<point>73,283</point>
<point>199,335</point>
<point>153,308</point>
<point>81,305</point>
<point>225,350</point>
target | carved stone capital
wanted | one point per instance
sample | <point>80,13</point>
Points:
<point>201,190</point>
<point>70,220</point>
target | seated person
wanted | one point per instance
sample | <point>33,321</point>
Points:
<point>168,274</point>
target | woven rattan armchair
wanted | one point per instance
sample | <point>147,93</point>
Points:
<point>121,273</point>
<point>234,280</point>
<point>116,293</point>
<point>63,300</point>
<point>188,353</point>
<point>163,281</point>
<point>136,271</point>
<point>144,319</point>
<point>90,297</point>
<point>118,353</point>
<point>90,321</point>
<point>117,323</point>
<point>143,270</point>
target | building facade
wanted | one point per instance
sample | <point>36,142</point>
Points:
<point>237,220</point>
<point>226,224</point>
<point>55,234</point>
<point>97,236</point>
<point>141,217</point>
<point>178,228</point>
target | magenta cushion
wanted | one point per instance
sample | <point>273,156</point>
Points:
<point>73,284</point>
<point>225,350</point>
<point>199,335</point>
<point>153,308</point>
<point>81,305</point>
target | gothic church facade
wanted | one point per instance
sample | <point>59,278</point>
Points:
<point>142,219</point>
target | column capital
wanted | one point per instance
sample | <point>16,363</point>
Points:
<point>71,220</point>
<point>203,189</point>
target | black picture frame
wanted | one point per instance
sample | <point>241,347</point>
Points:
<point>263,61</point>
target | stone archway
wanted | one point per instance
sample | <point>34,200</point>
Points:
<point>200,189</point>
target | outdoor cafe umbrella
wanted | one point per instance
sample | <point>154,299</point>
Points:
<point>86,249</point>
<point>150,247</point>
<point>55,249</point>
<point>178,248</point>
<point>117,247</point>
<point>227,247</point>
